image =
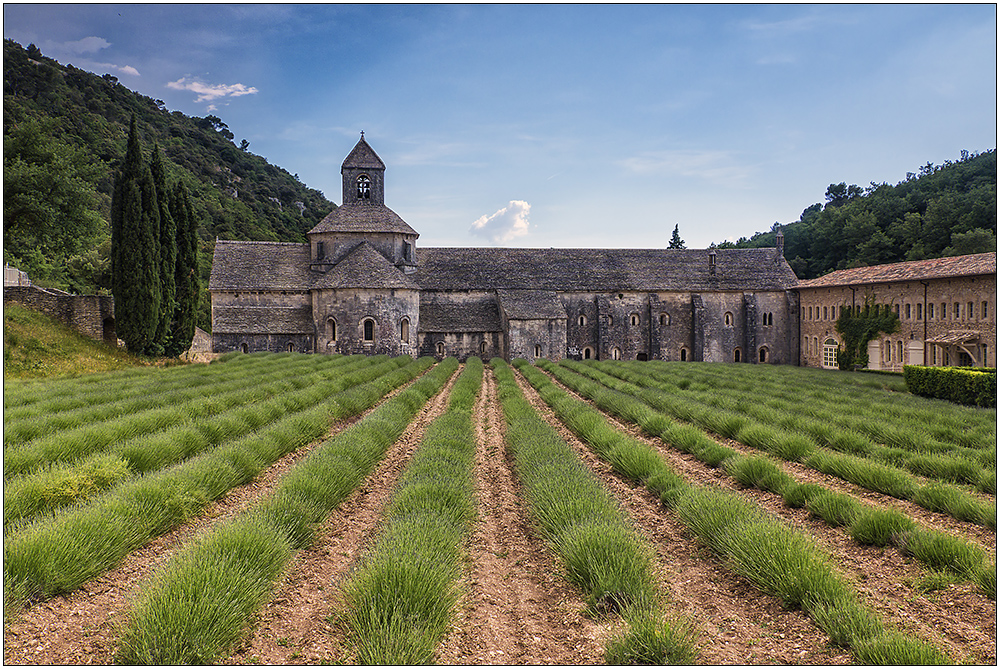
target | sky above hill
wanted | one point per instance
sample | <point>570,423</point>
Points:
<point>563,125</point>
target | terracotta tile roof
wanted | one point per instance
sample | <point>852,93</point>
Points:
<point>363,217</point>
<point>915,270</point>
<point>600,269</point>
<point>364,267</point>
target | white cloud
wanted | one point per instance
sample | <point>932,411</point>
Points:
<point>81,46</point>
<point>505,224</point>
<point>124,69</point>
<point>211,91</point>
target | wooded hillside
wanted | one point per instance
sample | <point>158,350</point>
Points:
<point>943,210</point>
<point>65,133</point>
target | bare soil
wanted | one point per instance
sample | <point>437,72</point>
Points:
<point>517,608</point>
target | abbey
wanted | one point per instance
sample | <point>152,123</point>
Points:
<point>362,285</point>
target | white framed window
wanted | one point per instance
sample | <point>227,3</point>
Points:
<point>830,353</point>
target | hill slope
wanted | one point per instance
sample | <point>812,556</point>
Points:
<point>65,132</point>
<point>946,210</point>
<point>37,346</point>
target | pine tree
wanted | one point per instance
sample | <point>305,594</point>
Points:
<point>135,251</point>
<point>167,251</point>
<point>186,272</point>
<point>675,240</point>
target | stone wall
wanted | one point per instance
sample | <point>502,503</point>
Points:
<point>91,315</point>
<point>393,314</point>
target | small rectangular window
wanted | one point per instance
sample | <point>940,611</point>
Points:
<point>930,311</point>
<point>920,312</point>
<point>907,312</point>
<point>985,310</point>
<point>970,311</point>
<point>958,311</point>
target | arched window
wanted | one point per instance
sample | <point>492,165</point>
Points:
<point>364,187</point>
<point>634,319</point>
<point>538,351</point>
<point>291,347</point>
<point>899,349</point>
<point>404,330</point>
<point>830,353</point>
<point>684,355</point>
<point>762,354</point>
<point>244,348</point>
<point>482,348</point>
<point>440,348</point>
<point>369,329</point>
<point>664,319</point>
<point>729,319</point>
<point>586,353</point>
<point>736,355</point>
<point>582,320</point>
<point>331,329</point>
<point>616,353</point>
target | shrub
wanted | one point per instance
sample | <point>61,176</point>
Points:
<point>835,509</point>
<point>961,385</point>
<point>879,527</point>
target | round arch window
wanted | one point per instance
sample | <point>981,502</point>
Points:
<point>368,327</point>
<point>364,187</point>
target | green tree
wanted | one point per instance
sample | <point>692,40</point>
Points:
<point>675,240</point>
<point>186,272</point>
<point>976,240</point>
<point>167,249</point>
<point>135,267</point>
<point>49,203</point>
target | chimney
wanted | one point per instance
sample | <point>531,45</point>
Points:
<point>779,244</point>
<point>711,261</point>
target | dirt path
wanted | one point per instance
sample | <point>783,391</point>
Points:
<point>293,627</point>
<point>959,619</point>
<point>518,609</point>
<point>80,628</point>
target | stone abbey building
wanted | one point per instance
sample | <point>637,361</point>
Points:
<point>362,285</point>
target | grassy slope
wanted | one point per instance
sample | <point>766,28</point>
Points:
<point>36,346</point>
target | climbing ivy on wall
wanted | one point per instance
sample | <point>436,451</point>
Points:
<point>860,324</point>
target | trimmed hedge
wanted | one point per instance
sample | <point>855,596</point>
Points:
<point>974,386</point>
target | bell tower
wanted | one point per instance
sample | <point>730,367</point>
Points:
<point>364,176</point>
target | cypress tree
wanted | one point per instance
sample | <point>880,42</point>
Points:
<point>167,251</point>
<point>135,251</point>
<point>186,272</point>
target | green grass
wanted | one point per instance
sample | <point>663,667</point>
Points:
<point>36,346</point>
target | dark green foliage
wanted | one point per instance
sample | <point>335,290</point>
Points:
<point>186,281</point>
<point>79,121</point>
<point>961,385</point>
<point>167,249</point>
<point>860,325</point>
<point>135,265</point>
<point>944,210</point>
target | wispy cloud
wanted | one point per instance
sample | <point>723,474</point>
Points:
<point>505,224</point>
<point>718,166</point>
<point>208,92</point>
<point>72,51</point>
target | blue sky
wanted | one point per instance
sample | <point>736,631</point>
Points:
<point>564,125</point>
